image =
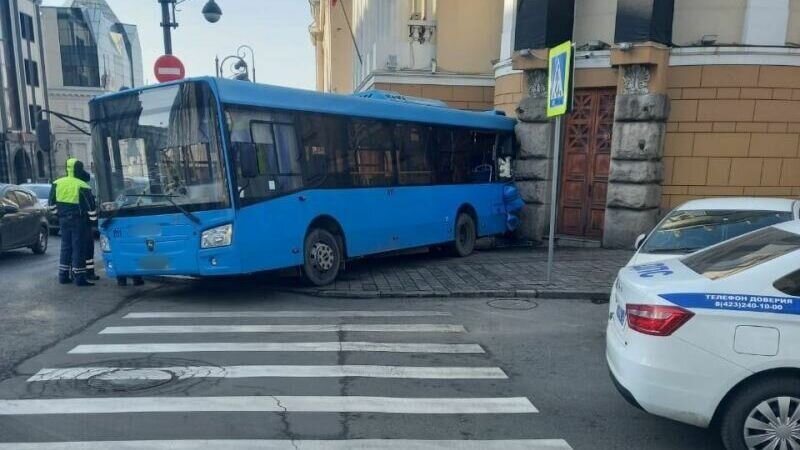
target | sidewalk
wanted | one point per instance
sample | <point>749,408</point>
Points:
<point>507,272</point>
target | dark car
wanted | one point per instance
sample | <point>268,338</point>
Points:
<point>23,221</point>
<point>42,192</point>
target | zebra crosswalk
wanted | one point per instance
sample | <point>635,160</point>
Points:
<point>268,356</point>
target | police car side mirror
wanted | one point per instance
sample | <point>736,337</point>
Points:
<point>639,241</point>
<point>248,159</point>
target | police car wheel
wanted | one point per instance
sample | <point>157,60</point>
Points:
<point>764,415</point>
<point>322,257</point>
<point>40,247</point>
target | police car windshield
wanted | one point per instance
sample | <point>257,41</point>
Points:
<point>743,253</point>
<point>689,231</point>
<point>157,149</point>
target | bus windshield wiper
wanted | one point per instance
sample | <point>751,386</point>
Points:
<point>169,198</point>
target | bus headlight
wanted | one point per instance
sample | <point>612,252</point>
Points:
<point>217,237</point>
<point>105,244</point>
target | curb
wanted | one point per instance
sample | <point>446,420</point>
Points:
<point>483,293</point>
<point>551,294</point>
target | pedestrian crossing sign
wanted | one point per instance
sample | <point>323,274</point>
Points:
<point>559,80</point>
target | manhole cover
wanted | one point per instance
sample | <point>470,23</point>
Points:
<point>128,380</point>
<point>512,304</point>
<point>159,374</point>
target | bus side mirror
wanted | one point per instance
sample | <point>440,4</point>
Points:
<point>248,159</point>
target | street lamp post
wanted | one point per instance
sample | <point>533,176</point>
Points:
<point>242,52</point>
<point>241,66</point>
<point>211,11</point>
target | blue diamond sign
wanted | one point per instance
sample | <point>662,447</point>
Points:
<point>559,79</point>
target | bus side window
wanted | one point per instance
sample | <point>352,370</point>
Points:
<point>414,167</point>
<point>371,153</point>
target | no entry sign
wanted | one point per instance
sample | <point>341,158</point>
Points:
<point>169,68</point>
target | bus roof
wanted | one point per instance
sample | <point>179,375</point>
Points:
<point>251,94</point>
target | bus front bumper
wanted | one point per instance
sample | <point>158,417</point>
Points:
<point>171,258</point>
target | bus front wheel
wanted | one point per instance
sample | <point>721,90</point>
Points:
<point>465,235</point>
<point>323,257</point>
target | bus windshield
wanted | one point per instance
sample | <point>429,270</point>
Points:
<point>158,151</point>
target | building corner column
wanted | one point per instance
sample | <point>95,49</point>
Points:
<point>636,173</point>
<point>532,167</point>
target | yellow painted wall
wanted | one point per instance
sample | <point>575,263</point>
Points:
<point>732,131</point>
<point>508,92</point>
<point>695,18</point>
<point>793,33</point>
<point>595,20</point>
<point>339,58</point>
<point>469,33</point>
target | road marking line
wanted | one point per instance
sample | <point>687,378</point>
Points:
<point>190,347</point>
<point>282,314</point>
<point>186,372</point>
<point>256,444</point>
<point>325,404</point>
<point>322,328</point>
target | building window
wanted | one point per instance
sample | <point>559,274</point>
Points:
<point>79,60</point>
<point>31,73</point>
<point>26,27</point>
<point>34,111</point>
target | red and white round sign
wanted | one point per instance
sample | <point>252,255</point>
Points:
<point>169,68</point>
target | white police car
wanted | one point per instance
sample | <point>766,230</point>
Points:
<point>701,223</point>
<point>714,338</point>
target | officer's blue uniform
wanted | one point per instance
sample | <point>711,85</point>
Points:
<point>72,198</point>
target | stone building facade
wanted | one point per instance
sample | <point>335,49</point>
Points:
<point>23,86</point>
<point>654,124</point>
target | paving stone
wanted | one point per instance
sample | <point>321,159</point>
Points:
<point>504,272</point>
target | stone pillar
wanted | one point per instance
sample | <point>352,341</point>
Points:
<point>533,164</point>
<point>634,183</point>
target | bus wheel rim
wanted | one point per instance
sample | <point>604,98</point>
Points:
<point>774,422</point>
<point>322,256</point>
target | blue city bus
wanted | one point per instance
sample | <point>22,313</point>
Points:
<point>208,177</point>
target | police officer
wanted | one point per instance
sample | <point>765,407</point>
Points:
<point>72,198</point>
<point>88,239</point>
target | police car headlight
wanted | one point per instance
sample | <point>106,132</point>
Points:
<point>217,237</point>
<point>105,244</point>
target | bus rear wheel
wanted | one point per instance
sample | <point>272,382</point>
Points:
<point>323,257</point>
<point>465,235</point>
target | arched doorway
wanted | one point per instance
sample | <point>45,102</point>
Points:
<point>22,167</point>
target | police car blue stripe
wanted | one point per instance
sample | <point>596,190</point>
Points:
<point>735,302</point>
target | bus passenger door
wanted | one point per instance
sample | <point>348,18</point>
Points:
<point>269,208</point>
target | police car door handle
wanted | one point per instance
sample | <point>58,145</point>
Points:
<point>302,198</point>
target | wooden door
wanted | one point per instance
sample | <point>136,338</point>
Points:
<point>587,156</point>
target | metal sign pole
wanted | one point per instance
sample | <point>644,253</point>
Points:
<point>551,243</point>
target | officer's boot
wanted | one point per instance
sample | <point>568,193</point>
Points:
<point>122,281</point>
<point>80,280</point>
<point>64,275</point>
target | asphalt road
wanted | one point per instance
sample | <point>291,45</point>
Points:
<point>36,311</point>
<point>240,361</point>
